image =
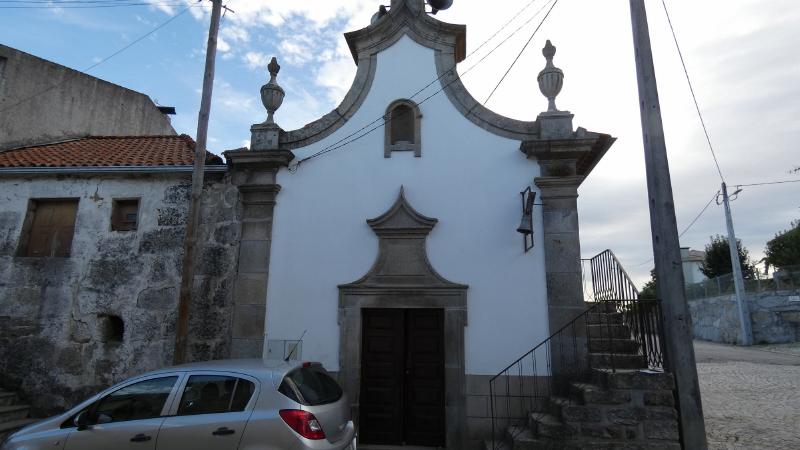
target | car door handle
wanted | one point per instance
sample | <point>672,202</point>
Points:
<point>140,438</point>
<point>223,431</point>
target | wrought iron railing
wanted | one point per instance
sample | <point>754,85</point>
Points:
<point>527,384</point>
<point>610,281</point>
<point>617,329</point>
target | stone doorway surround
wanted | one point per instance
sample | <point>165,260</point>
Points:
<point>402,277</point>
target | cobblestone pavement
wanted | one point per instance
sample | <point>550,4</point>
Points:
<point>751,397</point>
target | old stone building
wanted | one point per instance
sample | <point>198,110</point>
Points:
<point>41,101</point>
<point>91,238</point>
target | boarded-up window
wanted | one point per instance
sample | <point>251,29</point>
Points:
<point>125,215</point>
<point>402,125</point>
<point>49,227</point>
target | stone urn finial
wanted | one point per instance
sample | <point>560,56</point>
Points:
<point>551,79</point>
<point>271,94</point>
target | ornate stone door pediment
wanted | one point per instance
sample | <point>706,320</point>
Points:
<point>402,277</point>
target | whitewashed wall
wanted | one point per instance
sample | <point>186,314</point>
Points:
<point>467,178</point>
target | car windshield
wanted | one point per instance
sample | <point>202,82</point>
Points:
<point>314,385</point>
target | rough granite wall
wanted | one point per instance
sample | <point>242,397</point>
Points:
<point>53,311</point>
<point>774,317</point>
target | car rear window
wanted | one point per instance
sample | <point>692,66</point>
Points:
<point>313,385</point>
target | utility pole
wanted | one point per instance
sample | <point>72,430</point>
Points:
<point>190,244</point>
<point>680,360</point>
<point>746,329</point>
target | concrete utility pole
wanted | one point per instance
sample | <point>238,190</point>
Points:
<point>680,360</point>
<point>190,244</point>
<point>746,329</point>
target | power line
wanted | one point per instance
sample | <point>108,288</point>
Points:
<point>335,145</point>
<point>129,45</point>
<point>768,183</point>
<point>700,214</point>
<point>691,89</point>
<point>346,140</point>
<point>688,227</point>
<point>520,53</point>
<point>87,5</point>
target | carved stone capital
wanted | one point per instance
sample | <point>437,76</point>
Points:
<point>244,159</point>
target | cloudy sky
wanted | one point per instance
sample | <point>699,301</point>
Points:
<point>743,56</point>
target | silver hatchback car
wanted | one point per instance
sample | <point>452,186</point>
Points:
<point>217,405</point>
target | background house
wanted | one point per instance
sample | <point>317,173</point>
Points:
<point>41,101</point>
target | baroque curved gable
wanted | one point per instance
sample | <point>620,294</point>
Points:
<point>408,18</point>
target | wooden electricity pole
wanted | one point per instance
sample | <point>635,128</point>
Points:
<point>680,360</point>
<point>190,244</point>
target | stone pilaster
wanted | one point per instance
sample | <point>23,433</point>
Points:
<point>559,153</point>
<point>254,172</point>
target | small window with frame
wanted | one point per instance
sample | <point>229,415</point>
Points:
<point>125,214</point>
<point>48,228</point>
<point>402,128</point>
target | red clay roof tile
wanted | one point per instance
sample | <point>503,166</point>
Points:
<point>106,151</point>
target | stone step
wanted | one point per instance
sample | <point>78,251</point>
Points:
<point>601,317</point>
<point>602,307</point>
<point>7,398</point>
<point>14,412</point>
<point>490,444</point>
<point>570,411</point>
<point>633,379</point>
<point>592,394</point>
<point>608,332</point>
<point>6,428</point>
<point>620,346</point>
<point>616,361</point>
<point>523,439</point>
<point>549,426</point>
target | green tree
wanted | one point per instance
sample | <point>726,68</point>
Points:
<point>650,290</point>
<point>718,259</point>
<point>784,250</point>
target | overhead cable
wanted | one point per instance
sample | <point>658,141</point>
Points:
<point>691,89</point>
<point>103,60</point>
<point>367,130</point>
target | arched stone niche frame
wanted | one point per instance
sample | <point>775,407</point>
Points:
<point>402,277</point>
<point>396,115</point>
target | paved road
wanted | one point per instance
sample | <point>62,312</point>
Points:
<point>751,396</point>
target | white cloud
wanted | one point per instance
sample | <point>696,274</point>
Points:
<point>256,60</point>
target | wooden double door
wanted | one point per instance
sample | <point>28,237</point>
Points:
<point>402,377</point>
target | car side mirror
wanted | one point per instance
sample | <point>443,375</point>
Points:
<point>82,420</point>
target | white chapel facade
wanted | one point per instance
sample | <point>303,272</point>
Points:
<point>385,234</point>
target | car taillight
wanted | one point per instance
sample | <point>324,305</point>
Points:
<point>303,422</point>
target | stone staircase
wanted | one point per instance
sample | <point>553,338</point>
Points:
<point>629,407</point>
<point>13,416</point>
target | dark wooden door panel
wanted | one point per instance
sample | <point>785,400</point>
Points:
<point>382,367</point>
<point>424,383</point>
<point>402,377</point>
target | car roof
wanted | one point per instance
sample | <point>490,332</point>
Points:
<point>271,370</point>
